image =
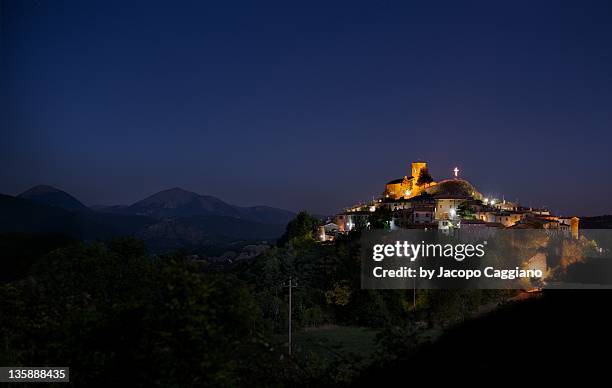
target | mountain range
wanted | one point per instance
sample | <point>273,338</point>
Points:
<point>177,202</point>
<point>169,219</point>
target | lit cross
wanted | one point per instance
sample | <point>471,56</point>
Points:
<point>456,171</point>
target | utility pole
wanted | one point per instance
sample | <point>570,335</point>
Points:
<point>414,293</point>
<point>291,285</point>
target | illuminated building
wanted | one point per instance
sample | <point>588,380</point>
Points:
<point>408,186</point>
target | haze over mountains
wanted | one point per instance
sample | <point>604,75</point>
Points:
<point>170,219</point>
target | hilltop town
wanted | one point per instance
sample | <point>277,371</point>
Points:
<point>418,201</point>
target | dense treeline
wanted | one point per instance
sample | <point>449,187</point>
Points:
<point>114,313</point>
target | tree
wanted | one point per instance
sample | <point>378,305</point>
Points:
<point>424,177</point>
<point>466,212</point>
<point>19,252</point>
<point>302,227</point>
<point>381,218</point>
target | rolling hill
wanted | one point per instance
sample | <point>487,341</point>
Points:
<point>51,196</point>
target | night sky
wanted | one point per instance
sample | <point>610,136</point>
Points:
<point>307,105</point>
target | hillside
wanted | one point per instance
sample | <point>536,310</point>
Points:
<point>201,231</point>
<point>20,215</point>
<point>47,195</point>
<point>560,327</point>
<point>178,203</point>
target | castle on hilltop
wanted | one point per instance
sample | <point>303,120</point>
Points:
<point>410,186</point>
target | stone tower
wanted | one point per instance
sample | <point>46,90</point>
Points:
<point>416,169</point>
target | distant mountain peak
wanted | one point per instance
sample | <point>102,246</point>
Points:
<point>39,189</point>
<point>175,202</point>
<point>177,190</point>
<point>175,195</point>
<point>51,196</point>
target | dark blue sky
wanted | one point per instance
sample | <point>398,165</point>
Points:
<point>307,105</point>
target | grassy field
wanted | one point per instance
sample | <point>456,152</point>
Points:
<point>336,341</point>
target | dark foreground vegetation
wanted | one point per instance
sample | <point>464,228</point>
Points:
<point>118,316</point>
<point>562,334</point>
